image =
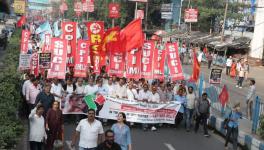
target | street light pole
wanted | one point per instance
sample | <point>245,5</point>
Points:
<point>223,27</point>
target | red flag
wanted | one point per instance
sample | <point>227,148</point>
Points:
<point>133,65</point>
<point>80,63</point>
<point>21,21</point>
<point>111,40</point>
<point>158,63</point>
<point>132,35</point>
<point>196,68</point>
<point>224,96</point>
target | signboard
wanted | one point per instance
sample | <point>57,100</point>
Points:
<point>215,76</point>
<point>39,1</point>
<point>78,8</point>
<point>44,60</point>
<point>24,41</point>
<point>24,61</point>
<point>166,15</point>
<point>114,10</point>
<point>19,6</point>
<point>166,7</point>
<point>191,15</point>
<point>140,14</point>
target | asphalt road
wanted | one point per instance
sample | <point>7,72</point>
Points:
<point>165,138</point>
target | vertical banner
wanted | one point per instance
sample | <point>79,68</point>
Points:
<point>80,65</point>
<point>69,34</point>
<point>96,64</point>
<point>95,31</point>
<point>117,65</point>
<point>158,63</point>
<point>46,47</point>
<point>58,61</point>
<point>34,64</point>
<point>134,63</point>
<point>174,63</point>
<point>44,60</point>
<point>146,60</point>
<point>24,41</point>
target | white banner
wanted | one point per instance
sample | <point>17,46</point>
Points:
<point>135,111</point>
<point>140,112</point>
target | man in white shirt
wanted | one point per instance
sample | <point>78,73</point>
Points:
<point>144,94</point>
<point>131,92</point>
<point>56,90</point>
<point>154,96</point>
<point>90,88</point>
<point>79,86</point>
<point>250,98</point>
<point>111,88</point>
<point>90,132</point>
<point>32,92</point>
<point>121,90</point>
<point>228,65</point>
<point>101,88</point>
<point>26,84</point>
<point>191,99</point>
<point>37,133</point>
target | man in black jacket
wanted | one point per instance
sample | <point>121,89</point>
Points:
<point>109,143</point>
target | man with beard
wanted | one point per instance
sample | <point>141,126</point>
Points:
<point>109,143</point>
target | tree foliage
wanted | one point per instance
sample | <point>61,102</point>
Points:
<point>10,99</point>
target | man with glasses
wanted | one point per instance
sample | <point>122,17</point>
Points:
<point>90,132</point>
<point>109,143</point>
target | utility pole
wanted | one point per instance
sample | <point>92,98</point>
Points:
<point>223,26</point>
<point>113,20</point>
<point>146,16</point>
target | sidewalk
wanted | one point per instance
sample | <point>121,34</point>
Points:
<point>246,137</point>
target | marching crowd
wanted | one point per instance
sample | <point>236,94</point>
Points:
<point>43,97</point>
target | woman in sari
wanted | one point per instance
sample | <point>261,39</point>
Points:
<point>54,125</point>
<point>233,69</point>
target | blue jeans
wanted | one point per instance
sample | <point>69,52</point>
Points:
<point>188,117</point>
<point>81,148</point>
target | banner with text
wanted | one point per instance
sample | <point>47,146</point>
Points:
<point>174,62</point>
<point>47,42</point>
<point>108,108</point>
<point>134,63</point>
<point>69,34</point>
<point>146,63</point>
<point>158,63</point>
<point>81,57</point>
<point>58,61</point>
<point>117,65</point>
<point>24,41</point>
<point>34,64</point>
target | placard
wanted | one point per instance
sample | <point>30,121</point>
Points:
<point>215,76</point>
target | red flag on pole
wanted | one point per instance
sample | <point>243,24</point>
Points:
<point>21,21</point>
<point>132,35</point>
<point>224,96</point>
<point>196,68</point>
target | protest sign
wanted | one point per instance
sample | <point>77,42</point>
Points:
<point>24,61</point>
<point>44,60</point>
<point>215,76</point>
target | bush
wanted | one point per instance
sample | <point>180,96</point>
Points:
<point>10,126</point>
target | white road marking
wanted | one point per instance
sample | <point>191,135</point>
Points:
<point>169,146</point>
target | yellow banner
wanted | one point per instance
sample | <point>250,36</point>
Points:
<point>19,7</point>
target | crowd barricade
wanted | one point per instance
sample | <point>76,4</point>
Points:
<point>257,112</point>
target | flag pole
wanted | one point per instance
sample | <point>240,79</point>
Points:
<point>136,10</point>
<point>113,19</point>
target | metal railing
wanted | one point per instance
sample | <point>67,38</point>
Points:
<point>257,112</point>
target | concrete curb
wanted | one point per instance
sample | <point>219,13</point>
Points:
<point>243,138</point>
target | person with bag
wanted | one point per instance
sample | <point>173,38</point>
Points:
<point>232,126</point>
<point>54,127</point>
<point>202,113</point>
